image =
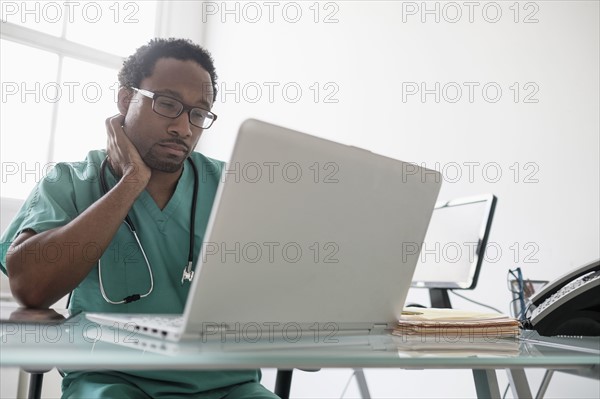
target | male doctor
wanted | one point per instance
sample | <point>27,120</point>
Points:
<point>150,173</point>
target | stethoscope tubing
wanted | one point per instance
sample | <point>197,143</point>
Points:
<point>187,272</point>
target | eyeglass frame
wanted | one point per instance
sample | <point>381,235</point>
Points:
<point>518,278</point>
<point>184,107</point>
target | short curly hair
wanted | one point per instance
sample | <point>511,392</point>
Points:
<point>141,64</point>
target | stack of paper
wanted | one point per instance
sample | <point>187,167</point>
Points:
<point>455,325</point>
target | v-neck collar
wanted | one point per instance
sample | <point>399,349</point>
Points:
<point>183,190</point>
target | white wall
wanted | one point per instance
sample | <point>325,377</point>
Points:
<point>370,54</point>
<point>545,144</point>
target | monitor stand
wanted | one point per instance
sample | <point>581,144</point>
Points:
<point>439,298</point>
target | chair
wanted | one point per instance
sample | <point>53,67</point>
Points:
<point>36,380</point>
<point>283,383</point>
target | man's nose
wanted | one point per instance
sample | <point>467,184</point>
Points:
<point>181,125</point>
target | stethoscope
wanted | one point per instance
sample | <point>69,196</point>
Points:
<point>188,273</point>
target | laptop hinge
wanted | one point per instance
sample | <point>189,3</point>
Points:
<point>376,336</point>
<point>378,328</point>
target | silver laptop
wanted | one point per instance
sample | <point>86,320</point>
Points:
<point>306,235</point>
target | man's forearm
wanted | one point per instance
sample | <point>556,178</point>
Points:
<point>44,267</point>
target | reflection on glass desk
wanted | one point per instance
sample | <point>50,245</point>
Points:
<point>79,343</point>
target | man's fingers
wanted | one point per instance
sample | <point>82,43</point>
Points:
<point>122,153</point>
<point>116,122</point>
<point>115,154</point>
<point>110,119</point>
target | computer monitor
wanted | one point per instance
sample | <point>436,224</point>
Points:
<point>454,247</point>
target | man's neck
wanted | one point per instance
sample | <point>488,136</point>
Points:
<point>162,185</point>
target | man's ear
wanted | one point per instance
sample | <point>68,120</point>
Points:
<point>124,100</point>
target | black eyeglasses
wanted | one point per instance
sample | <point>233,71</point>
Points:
<point>172,108</point>
<point>517,287</point>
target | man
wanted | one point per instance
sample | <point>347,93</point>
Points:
<point>167,90</point>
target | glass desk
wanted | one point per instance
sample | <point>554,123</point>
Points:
<point>82,344</point>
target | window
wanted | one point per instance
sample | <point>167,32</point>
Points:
<point>59,63</point>
<point>25,119</point>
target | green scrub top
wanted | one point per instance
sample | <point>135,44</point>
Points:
<point>164,234</point>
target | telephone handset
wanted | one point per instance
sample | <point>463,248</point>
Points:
<point>570,305</point>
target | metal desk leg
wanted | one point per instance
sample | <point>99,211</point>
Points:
<point>486,384</point>
<point>544,384</point>
<point>518,384</point>
<point>362,384</point>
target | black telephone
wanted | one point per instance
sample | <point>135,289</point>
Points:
<point>570,305</point>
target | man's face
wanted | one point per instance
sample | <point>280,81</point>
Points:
<point>162,142</point>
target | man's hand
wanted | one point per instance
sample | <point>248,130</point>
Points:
<point>123,157</point>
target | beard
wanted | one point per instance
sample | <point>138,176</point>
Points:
<point>168,164</point>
